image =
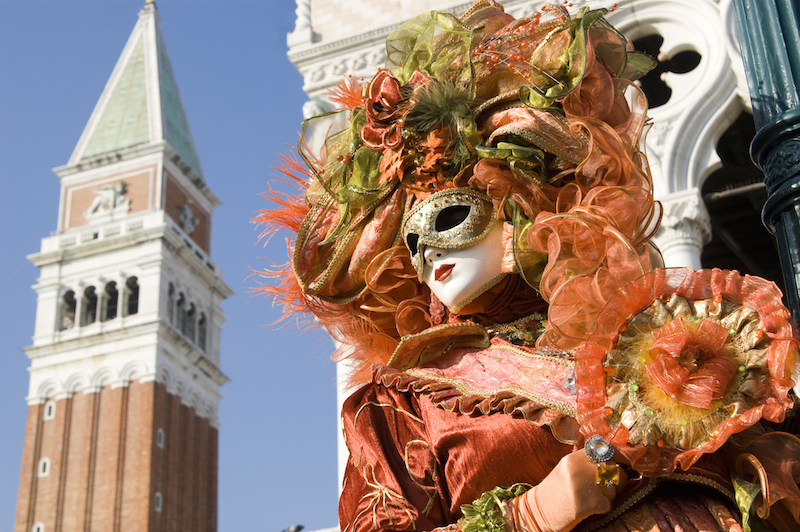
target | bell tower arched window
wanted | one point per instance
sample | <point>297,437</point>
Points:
<point>201,332</point>
<point>171,304</point>
<point>132,286</point>
<point>180,313</point>
<point>189,329</point>
<point>69,306</point>
<point>111,299</point>
<point>89,314</point>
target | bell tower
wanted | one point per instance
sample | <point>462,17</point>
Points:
<point>125,364</point>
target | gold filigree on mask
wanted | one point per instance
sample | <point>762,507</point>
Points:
<point>454,218</point>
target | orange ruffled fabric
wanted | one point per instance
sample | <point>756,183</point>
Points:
<point>690,363</point>
<point>594,219</point>
<point>767,399</point>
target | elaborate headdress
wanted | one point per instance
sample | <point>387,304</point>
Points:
<point>538,114</point>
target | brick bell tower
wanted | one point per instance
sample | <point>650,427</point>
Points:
<point>125,368</point>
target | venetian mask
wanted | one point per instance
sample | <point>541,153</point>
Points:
<point>456,244</point>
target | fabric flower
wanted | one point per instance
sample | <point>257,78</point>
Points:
<point>680,360</point>
<point>690,363</point>
<point>383,109</point>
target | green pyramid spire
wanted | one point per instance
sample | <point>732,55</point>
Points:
<point>140,103</point>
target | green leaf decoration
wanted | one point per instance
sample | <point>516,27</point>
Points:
<point>486,514</point>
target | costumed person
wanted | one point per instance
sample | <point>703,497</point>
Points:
<point>477,239</point>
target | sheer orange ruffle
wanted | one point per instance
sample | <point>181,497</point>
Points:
<point>677,350</point>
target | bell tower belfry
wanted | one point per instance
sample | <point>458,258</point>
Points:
<point>125,362</point>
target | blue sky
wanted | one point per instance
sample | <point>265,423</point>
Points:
<point>243,98</point>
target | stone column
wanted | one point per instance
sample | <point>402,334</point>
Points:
<point>685,228</point>
<point>79,304</point>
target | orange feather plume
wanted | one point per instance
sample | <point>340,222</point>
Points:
<point>290,208</point>
<point>347,92</point>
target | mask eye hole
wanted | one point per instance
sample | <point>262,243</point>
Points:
<point>450,217</point>
<point>411,241</point>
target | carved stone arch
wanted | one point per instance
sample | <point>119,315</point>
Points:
<point>48,388</point>
<point>728,17</point>
<point>104,377</point>
<point>179,386</point>
<point>133,370</point>
<point>110,300</point>
<point>202,332</point>
<point>180,312</point>
<point>89,304</point>
<point>132,290</point>
<point>192,399</point>
<point>190,323</point>
<point>705,159</point>
<point>67,308</point>
<point>695,115</point>
<point>64,288</point>
<point>77,382</point>
<point>164,375</point>
<point>685,25</point>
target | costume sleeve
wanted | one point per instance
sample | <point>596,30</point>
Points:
<point>393,481</point>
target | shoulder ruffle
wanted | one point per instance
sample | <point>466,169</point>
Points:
<point>542,403</point>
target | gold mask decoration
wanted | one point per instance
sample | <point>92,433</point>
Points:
<point>454,218</point>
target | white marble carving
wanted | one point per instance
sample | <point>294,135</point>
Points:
<point>186,217</point>
<point>109,201</point>
<point>685,228</point>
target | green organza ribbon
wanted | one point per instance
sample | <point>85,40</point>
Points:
<point>559,61</point>
<point>526,161</point>
<point>745,493</point>
<point>437,44</point>
<point>530,263</point>
<point>351,174</point>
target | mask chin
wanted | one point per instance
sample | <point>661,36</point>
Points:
<point>458,276</point>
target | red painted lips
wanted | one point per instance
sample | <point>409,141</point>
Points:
<point>443,272</point>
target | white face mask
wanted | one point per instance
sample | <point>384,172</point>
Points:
<point>458,276</point>
<point>453,218</point>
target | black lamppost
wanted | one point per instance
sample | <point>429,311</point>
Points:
<point>769,34</point>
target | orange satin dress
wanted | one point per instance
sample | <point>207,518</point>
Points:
<point>416,456</point>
